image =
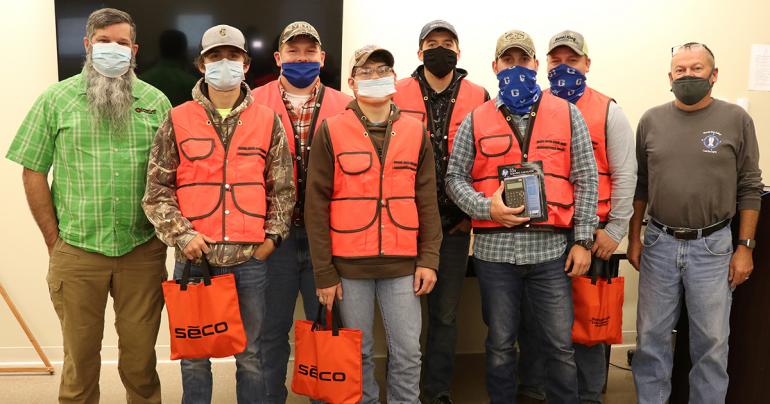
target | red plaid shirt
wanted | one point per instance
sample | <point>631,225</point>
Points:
<point>301,120</point>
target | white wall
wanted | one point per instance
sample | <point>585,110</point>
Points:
<point>629,43</point>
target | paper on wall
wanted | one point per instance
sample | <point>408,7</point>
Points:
<point>759,68</point>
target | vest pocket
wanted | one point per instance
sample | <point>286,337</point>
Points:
<point>402,211</point>
<point>495,145</point>
<point>350,215</point>
<point>354,163</point>
<point>196,148</point>
<point>249,198</point>
<point>199,200</point>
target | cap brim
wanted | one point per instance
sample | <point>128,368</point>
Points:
<point>527,51</point>
<point>451,31</point>
<point>307,34</point>
<point>223,44</point>
<point>389,60</point>
<point>569,45</point>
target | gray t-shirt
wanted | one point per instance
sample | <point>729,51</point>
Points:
<point>695,166</point>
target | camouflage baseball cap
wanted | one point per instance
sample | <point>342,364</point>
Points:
<point>299,28</point>
<point>573,40</point>
<point>360,56</point>
<point>515,39</point>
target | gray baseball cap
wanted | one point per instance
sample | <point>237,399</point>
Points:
<point>573,40</point>
<point>434,25</point>
<point>515,39</point>
<point>222,35</point>
<point>299,28</point>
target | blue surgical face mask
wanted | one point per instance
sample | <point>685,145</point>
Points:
<point>224,74</point>
<point>567,82</point>
<point>110,59</point>
<point>301,74</point>
<point>518,89</point>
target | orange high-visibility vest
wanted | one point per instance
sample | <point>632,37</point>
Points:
<point>410,100</point>
<point>595,106</point>
<point>549,141</point>
<point>330,101</point>
<point>221,191</point>
<point>373,210</point>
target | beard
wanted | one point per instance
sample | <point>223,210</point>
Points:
<point>109,99</point>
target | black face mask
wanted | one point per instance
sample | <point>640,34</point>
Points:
<point>690,89</point>
<point>439,60</point>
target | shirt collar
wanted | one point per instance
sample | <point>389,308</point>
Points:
<point>312,93</point>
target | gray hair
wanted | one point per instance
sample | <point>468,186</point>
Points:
<point>105,17</point>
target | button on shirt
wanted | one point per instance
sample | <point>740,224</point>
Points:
<point>99,173</point>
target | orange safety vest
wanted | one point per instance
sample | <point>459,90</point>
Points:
<point>330,101</point>
<point>372,209</point>
<point>410,100</point>
<point>549,141</point>
<point>595,106</point>
<point>221,191</point>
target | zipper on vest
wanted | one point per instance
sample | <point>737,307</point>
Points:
<point>303,159</point>
<point>523,143</point>
<point>225,185</point>
<point>425,88</point>
<point>380,200</point>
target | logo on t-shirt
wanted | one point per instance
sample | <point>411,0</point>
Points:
<point>711,141</point>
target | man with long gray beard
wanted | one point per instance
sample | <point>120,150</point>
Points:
<point>96,129</point>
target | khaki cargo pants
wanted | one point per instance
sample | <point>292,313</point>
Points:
<point>79,282</point>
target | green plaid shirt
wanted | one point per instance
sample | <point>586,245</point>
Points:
<point>98,176</point>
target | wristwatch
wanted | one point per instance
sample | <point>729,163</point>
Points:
<point>587,244</point>
<point>276,239</point>
<point>748,243</point>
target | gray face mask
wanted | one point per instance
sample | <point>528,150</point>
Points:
<point>690,89</point>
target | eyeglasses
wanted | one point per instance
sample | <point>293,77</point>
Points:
<point>691,45</point>
<point>369,72</point>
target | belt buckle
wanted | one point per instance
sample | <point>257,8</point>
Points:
<point>682,234</point>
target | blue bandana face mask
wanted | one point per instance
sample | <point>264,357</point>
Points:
<point>567,82</point>
<point>301,74</point>
<point>518,89</point>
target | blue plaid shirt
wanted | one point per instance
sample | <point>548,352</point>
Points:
<point>525,247</point>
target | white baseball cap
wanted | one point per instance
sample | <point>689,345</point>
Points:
<point>222,35</point>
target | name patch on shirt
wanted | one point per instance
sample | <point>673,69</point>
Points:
<point>711,141</point>
<point>146,111</point>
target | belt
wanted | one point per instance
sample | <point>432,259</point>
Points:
<point>690,234</point>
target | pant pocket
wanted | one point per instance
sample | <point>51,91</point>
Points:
<point>55,289</point>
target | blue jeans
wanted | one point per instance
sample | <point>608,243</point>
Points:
<point>289,272</point>
<point>250,280</point>
<point>402,317</point>
<point>549,292</point>
<point>591,362</point>
<point>699,269</point>
<point>442,315</point>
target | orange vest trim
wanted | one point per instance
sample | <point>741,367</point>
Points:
<point>549,141</point>
<point>372,209</point>
<point>331,102</point>
<point>410,100</point>
<point>595,109</point>
<point>221,191</point>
